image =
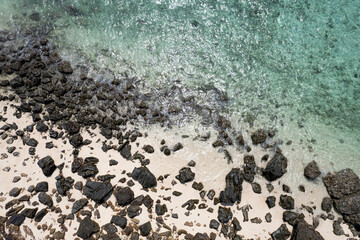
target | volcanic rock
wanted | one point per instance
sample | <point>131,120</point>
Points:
<point>233,187</point>
<point>145,229</point>
<point>276,167</point>
<point>45,199</point>
<point>87,228</point>
<point>258,137</point>
<point>124,196</point>
<point>303,231</point>
<point>282,233</point>
<point>119,221</point>
<point>312,170</point>
<point>224,214</point>
<point>185,175</point>
<point>79,204</point>
<point>47,165</point>
<point>144,177</point>
<point>97,191</point>
<point>286,202</point>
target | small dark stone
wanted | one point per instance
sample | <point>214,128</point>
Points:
<point>337,229</point>
<point>148,202</point>
<point>214,224</point>
<point>148,149</point>
<point>312,170</point>
<point>41,126</point>
<point>97,191</point>
<point>72,127</point>
<point>233,187</point>
<point>47,165</point>
<point>87,228</point>
<point>65,67</point>
<point>282,233</point>
<point>160,209</point>
<point>79,204</point>
<point>124,196</point>
<point>290,217</point>
<point>256,187</point>
<point>286,202</point>
<point>14,192</point>
<point>42,187</point>
<point>177,147</point>
<point>32,142</point>
<point>286,188</point>
<point>197,186</point>
<point>145,229</point>
<point>119,221</point>
<point>63,185</point>
<point>39,216</point>
<point>133,211</point>
<point>326,204</point>
<point>16,219</point>
<point>113,162</point>
<point>29,212</point>
<point>270,201</point>
<point>76,140</point>
<point>45,199</point>
<point>224,214</point>
<point>110,228</point>
<point>185,175</point>
<point>303,231</point>
<point>78,185</point>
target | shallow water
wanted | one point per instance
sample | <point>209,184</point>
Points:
<point>291,65</point>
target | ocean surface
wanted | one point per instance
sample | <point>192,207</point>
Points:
<point>285,64</point>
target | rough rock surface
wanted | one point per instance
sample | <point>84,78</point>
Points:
<point>282,233</point>
<point>185,175</point>
<point>87,228</point>
<point>97,191</point>
<point>344,189</point>
<point>276,167</point>
<point>47,165</point>
<point>144,177</point>
<point>124,196</point>
<point>303,231</point>
<point>312,170</point>
<point>233,187</point>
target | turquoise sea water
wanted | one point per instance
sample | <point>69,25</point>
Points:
<point>292,65</point>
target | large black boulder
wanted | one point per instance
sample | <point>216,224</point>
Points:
<point>303,231</point>
<point>276,167</point>
<point>97,191</point>
<point>312,170</point>
<point>282,233</point>
<point>47,165</point>
<point>233,187</point>
<point>144,177</point>
<point>224,214</point>
<point>87,228</point>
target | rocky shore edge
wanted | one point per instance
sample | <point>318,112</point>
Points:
<point>56,95</point>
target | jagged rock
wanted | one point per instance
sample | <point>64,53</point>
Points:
<point>290,217</point>
<point>29,212</point>
<point>282,233</point>
<point>16,219</point>
<point>63,185</point>
<point>148,149</point>
<point>185,175</point>
<point>249,168</point>
<point>160,209</point>
<point>64,67</point>
<point>14,192</point>
<point>286,202</point>
<point>144,177</point>
<point>47,165</point>
<point>110,228</point>
<point>41,126</point>
<point>125,150</point>
<point>148,202</point>
<point>233,187</point>
<point>145,229</point>
<point>39,216</point>
<point>76,140</point>
<point>88,170</point>
<point>97,191</point>
<point>256,187</point>
<point>87,228</point>
<point>119,221</point>
<point>224,214</point>
<point>32,142</point>
<point>303,231</point>
<point>276,167</point>
<point>214,224</point>
<point>79,204</point>
<point>42,187</point>
<point>312,170</point>
<point>72,127</point>
<point>124,196</point>
<point>337,229</point>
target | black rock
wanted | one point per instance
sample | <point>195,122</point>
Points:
<point>177,147</point>
<point>276,167</point>
<point>16,219</point>
<point>249,168</point>
<point>87,228</point>
<point>110,228</point>
<point>32,142</point>
<point>97,191</point>
<point>39,216</point>
<point>46,199</point>
<point>71,127</point>
<point>113,162</point>
<point>270,201</point>
<point>290,217</point>
<point>65,67</point>
<point>110,236</point>
<point>76,140</point>
<point>144,177</point>
<point>125,150</point>
<point>185,175</point>
<point>87,170</point>
<point>160,209</point>
<point>326,204</point>
<point>286,202</point>
<point>79,204</point>
<point>312,170</point>
<point>17,82</point>
<point>119,221</point>
<point>148,202</point>
<point>148,149</point>
<point>282,233</point>
<point>124,196</point>
<point>42,187</point>
<point>47,165</point>
<point>224,214</point>
<point>258,137</point>
<point>29,212</point>
<point>14,192</point>
<point>54,134</point>
<point>106,132</point>
<point>214,224</point>
<point>63,185</point>
<point>133,211</point>
<point>337,229</point>
<point>233,187</point>
<point>41,126</point>
<point>256,187</point>
<point>145,229</point>
<point>303,231</point>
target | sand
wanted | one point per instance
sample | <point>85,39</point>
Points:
<point>211,169</point>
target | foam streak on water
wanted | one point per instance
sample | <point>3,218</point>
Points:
<point>291,65</point>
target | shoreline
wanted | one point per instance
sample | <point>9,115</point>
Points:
<point>76,134</point>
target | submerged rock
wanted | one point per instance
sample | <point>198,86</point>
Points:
<point>276,167</point>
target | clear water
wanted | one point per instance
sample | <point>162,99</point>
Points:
<point>292,65</point>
